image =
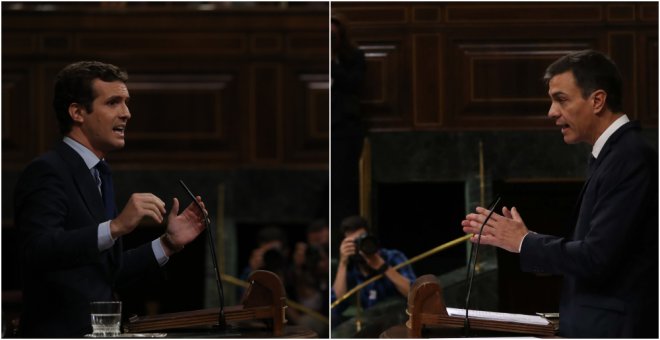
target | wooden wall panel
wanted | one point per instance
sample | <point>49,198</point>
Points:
<point>306,123</point>
<point>18,114</point>
<point>376,14</point>
<point>208,86</point>
<point>266,43</point>
<point>648,12</point>
<point>428,80</point>
<point>265,114</point>
<point>485,69</point>
<point>499,84</point>
<point>621,48</point>
<point>648,80</point>
<point>424,14</point>
<point>19,43</point>
<point>382,98</point>
<point>523,13</point>
<point>651,85</point>
<point>182,117</point>
<point>141,44</point>
<point>621,12</point>
<point>305,44</point>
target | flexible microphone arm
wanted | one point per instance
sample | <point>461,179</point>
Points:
<point>222,323</point>
<point>470,274</point>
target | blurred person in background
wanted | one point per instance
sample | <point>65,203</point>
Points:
<point>310,271</point>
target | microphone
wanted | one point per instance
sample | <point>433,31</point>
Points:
<point>222,323</point>
<point>470,274</point>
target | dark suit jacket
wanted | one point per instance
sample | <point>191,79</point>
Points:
<point>58,210</point>
<point>610,262</point>
<point>347,80</point>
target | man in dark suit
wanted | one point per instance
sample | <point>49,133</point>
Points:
<point>71,234</point>
<point>609,257</point>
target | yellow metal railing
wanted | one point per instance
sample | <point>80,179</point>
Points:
<point>400,265</point>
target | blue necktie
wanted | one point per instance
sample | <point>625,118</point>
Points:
<point>107,192</point>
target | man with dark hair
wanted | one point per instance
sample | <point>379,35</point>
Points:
<point>74,85</point>
<point>609,256</point>
<point>65,211</point>
<point>358,262</point>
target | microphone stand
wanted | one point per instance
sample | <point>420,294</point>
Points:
<point>470,273</point>
<point>222,322</point>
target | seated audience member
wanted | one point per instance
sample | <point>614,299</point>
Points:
<point>271,254</point>
<point>310,273</point>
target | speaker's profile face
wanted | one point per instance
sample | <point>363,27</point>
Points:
<point>105,126</point>
<point>574,114</point>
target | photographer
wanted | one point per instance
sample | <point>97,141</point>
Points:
<point>361,258</point>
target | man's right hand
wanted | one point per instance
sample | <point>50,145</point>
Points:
<point>138,207</point>
<point>346,250</point>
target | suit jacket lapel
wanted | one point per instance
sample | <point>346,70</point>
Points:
<point>89,192</point>
<point>578,204</point>
<point>83,180</point>
<point>613,140</point>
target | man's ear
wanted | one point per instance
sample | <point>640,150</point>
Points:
<point>76,111</point>
<point>599,99</point>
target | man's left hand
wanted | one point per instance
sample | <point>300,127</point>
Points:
<point>185,227</point>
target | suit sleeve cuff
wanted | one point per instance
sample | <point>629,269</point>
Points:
<point>521,242</point>
<point>105,240</point>
<point>159,252</point>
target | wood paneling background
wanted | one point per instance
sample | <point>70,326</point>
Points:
<point>457,66</point>
<point>225,88</point>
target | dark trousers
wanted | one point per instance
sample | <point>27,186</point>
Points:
<point>344,174</point>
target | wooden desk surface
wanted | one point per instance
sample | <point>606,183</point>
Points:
<point>251,330</point>
<point>401,332</point>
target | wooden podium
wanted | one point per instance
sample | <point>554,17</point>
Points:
<point>264,299</point>
<point>426,308</point>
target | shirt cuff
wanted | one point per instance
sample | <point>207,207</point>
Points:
<point>159,252</point>
<point>105,240</point>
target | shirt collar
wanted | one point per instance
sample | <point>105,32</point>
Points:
<point>88,156</point>
<point>600,142</point>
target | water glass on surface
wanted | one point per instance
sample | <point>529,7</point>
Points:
<point>106,317</point>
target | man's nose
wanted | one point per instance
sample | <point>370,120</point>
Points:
<point>125,113</point>
<point>553,112</point>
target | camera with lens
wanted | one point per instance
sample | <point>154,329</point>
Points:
<point>367,244</point>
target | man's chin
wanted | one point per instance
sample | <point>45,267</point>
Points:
<point>118,145</point>
<point>569,138</point>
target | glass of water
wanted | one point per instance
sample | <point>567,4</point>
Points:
<point>106,317</point>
